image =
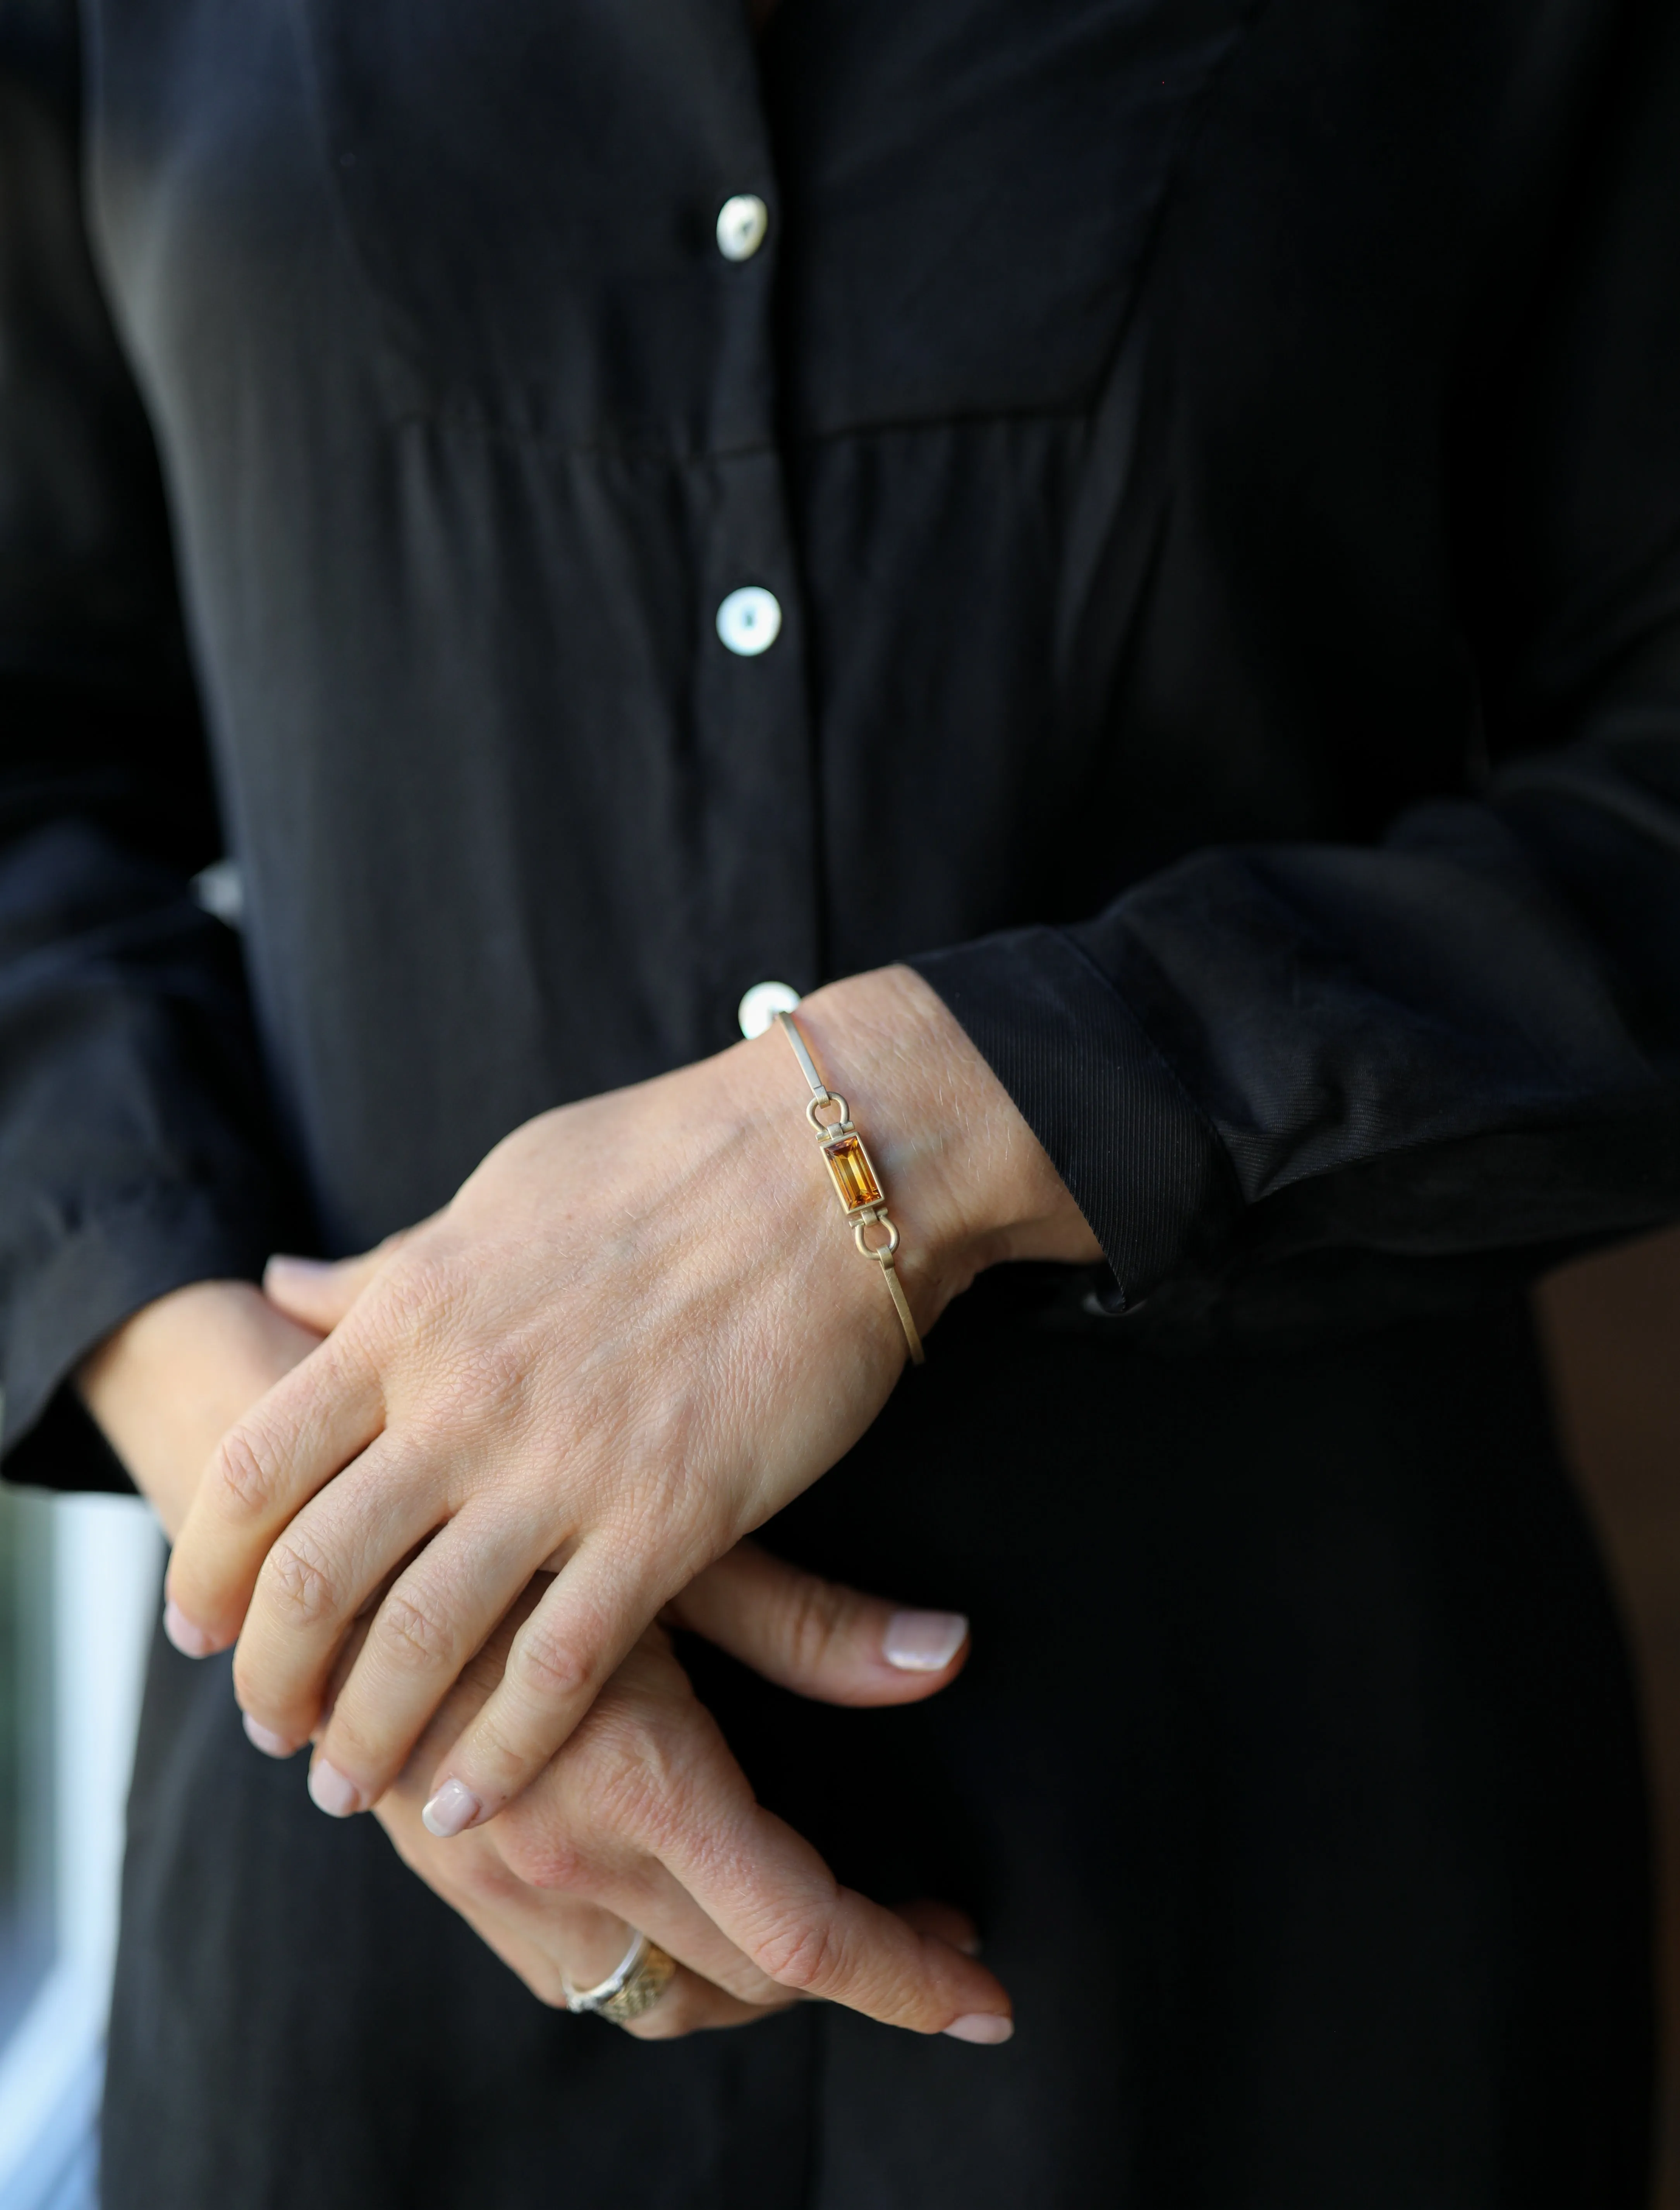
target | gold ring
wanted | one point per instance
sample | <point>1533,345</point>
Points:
<point>633,1989</point>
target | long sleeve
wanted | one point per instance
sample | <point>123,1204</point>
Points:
<point>134,1153</point>
<point>1460,1045</point>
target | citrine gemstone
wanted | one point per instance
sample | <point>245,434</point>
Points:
<point>854,1176</point>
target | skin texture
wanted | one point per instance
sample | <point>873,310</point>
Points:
<point>639,1331</point>
<point>644,1818</point>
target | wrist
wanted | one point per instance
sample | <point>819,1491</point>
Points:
<point>966,1180</point>
<point>165,1385</point>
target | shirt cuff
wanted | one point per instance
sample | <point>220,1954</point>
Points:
<point>1143,1164</point>
<point>112,1263</point>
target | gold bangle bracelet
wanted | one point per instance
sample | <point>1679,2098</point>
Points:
<point>856,1184</point>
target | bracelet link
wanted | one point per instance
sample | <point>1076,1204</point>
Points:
<point>856,1184</point>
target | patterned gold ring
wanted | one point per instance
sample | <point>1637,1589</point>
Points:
<point>633,1989</point>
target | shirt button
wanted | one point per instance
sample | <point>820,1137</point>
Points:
<point>750,620</point>
<point>762,1003</point>
<point>741,224</point>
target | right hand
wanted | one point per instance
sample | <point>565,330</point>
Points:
<point>645,1812</point>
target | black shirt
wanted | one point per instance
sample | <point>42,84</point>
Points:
<point>1218,469</point>
<point>1186,443</point>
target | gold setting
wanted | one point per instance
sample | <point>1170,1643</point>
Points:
<point>628,1993</point>
<point>856,1184</point>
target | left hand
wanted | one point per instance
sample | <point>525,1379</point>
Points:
<point>644,1819</point>
<point>638,1331</point>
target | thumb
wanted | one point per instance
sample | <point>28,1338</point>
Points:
<point>818,1638</point>
<point>319,1292</point>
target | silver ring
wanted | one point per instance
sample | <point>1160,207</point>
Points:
<point>641,1977</point>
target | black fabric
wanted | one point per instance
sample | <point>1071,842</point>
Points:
<point>1125,1135</point>
<point>1097,617</point>
<point>1294,1782</point>
<point>1219,468</point>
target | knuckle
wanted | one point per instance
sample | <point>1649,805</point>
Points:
<point>416,1286</point>
<point>412,1635</point>
<point>459,1385</point>
<point>816,1624</point>
<point>497,1371</point>
<point>547,1664</point>
<point>244,1474</point>
<point>800,1955</point>
<point>634,1780</point>
<point>300,1582</point>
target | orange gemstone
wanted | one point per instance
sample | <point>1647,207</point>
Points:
<point>854,1176</point>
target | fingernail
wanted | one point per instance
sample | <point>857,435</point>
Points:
<point>450,1811</point>
<point>191,1641</point>
<point>329,1791</point>
<point>980,2026</point>
<point>270,1744</point>
<point>303,1270</point>
<point>923,1641</point>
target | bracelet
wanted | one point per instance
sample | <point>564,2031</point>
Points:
<point>855,1182</point>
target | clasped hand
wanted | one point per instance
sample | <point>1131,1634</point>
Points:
<point>637,1332</point>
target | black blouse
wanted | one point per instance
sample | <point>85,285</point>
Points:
<point>1207,473</point>
<point>1218,467</point>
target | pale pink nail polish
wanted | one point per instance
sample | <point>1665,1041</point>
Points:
<point>265,1739</point>
<point>923,1641</point>
<point>450,1811</point>
<point>329,1791</point>
<point>190,1641</point>
<point>303,1273</point>
<point>983,2025</point>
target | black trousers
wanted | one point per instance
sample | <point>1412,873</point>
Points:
<point>1294,1781</point>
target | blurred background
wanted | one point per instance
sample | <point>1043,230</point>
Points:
<point>1612,1329</point>
<point>79,1590</point>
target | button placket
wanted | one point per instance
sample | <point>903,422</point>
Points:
<point>750,702</point>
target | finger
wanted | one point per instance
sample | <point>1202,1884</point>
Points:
<point>548,1937</point>
<point>319,1292</point>
<point>273,1744</point>
<point>655,1770</point>
<point>266,1468</point>
<point>560,1658</point>
<point>771,1893</point>
<point>815,1636</point>
<point>440,1610</point>
<point>553,1897</point>
<point>942,1920</point>
<point>692,2005</point>
<point>591,1944</point>
<point>689,2003</point>
<point>559,1849</point>
<point>338,1564</point>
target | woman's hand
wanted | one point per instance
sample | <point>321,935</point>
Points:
<point>166,1386</point>
<point>644,1820</point>
<point>639,1331</point>
<point>541,1887</point>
